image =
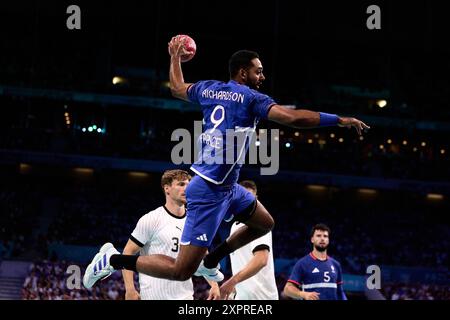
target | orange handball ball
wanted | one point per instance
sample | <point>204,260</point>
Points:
<point>189,45</point>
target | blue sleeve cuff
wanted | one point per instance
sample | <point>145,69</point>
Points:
<point>328,119</point>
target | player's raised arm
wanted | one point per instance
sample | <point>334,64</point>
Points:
<point>177,85</point>
<point>310,119</point>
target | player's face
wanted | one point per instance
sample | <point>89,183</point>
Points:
<point>255,76</point>
<point>177,190</point>
<point>320,240</point>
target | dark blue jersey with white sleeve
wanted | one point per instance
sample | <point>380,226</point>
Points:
<point>231,112</point>
<point>322,276</point>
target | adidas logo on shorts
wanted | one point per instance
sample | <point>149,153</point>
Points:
<point>202,237</point>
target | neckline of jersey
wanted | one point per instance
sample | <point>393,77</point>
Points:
<point>172,215</point>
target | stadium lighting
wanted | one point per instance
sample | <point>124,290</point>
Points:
<point>405,142</point>
<point>118,80</point>
<point>442,151</point>
<point>66,114</point>
<point>83,171</point>
<point>423,144</point>
<point>288,145</point>
<point>332,135</point>
<point>297,133</point>
<point>389,141</point>
<point>24,168</point>
<point>367,191</point>
<point>84,129</point>
<point>310,141</point>
<point>381,103</point>
<point>90,129</point>
<point>137,174</point>
<point>341,140</point>
<point>381,146</point>
<point>361,138</point>
<point>99,130</point>
<point>415,149</point>
<point>314,187</point>
<point>94,127</point>
<point>435,196</point>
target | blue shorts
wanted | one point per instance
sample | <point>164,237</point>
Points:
<point>208,204</point>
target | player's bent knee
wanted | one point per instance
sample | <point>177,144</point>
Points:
<point>269,223</point>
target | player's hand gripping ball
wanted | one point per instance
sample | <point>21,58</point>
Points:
<point>189,45</point>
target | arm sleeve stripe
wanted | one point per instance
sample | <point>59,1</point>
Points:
<point>140,244</point>
<point>261,247</point>
<point>294,282</point>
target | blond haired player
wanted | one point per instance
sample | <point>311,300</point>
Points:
<point>159,232</point>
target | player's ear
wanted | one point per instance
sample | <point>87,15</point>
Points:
<point>166,188</point>
<point>243,74</point>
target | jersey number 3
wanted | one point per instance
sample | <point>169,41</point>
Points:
<point>176,241</point>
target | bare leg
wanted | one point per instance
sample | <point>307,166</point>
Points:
<point>182,268</point>
<point>260,223</point>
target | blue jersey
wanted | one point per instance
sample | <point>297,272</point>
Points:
<point>324,277</point>
<point>228,109</point>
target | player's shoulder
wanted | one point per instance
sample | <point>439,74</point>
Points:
<point>209,83</point>
<point>305,260</point>
<point>154,214</point>
<point>334,261</point>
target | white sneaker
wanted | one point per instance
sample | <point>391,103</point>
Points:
<point>212,274</point>
<point>99,268</point>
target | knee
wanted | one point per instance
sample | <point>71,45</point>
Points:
<point>272,223</point>
<point>269,223</point>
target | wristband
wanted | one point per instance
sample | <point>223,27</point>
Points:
<point>328,119</point>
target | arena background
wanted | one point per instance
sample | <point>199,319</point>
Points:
<point>87,116</point>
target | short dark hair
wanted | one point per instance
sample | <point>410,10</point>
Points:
<point>241,59</point>
<point>170,175</point>
<point>249,184</point>
<point>321,227</point>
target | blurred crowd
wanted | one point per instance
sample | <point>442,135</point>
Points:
<point>48,280</point>
<point>366,229</point>
<point>417,291</point>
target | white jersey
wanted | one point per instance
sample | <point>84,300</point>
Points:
<point>159,232</point>
<point>262,286</point>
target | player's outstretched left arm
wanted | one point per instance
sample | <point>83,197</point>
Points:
<point>311,119</point>
<point>177,85</point>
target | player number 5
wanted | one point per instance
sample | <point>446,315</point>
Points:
<point>326,276</point>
